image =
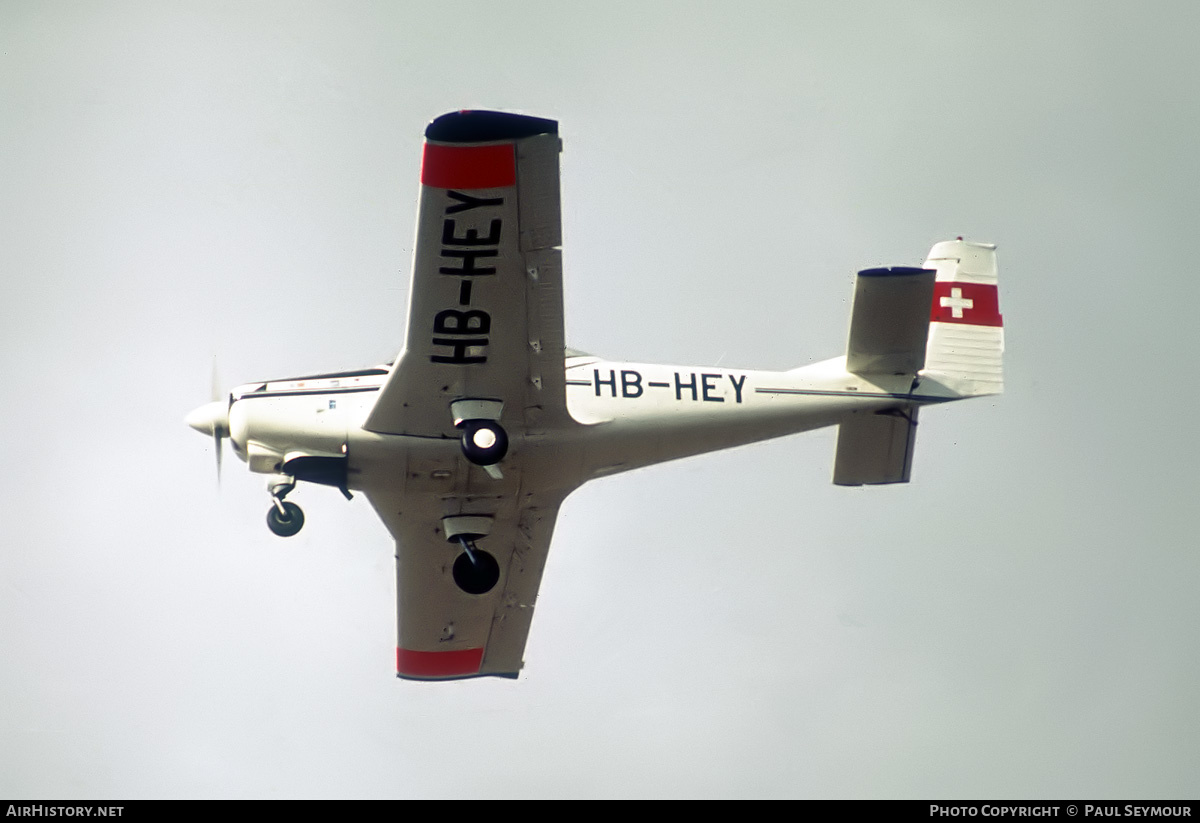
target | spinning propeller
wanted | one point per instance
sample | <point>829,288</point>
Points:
<point>213,417</point>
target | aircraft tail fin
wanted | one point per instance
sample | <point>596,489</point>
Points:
<point>966,330</point>
<point>941,324</point>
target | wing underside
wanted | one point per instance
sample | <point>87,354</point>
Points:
<point>485,302</point>
<point>444,632</point>
<point>485,328</point>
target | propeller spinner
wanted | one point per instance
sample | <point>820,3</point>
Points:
<point>212,419</point>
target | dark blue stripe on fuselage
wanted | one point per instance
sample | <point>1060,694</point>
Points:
<point>923,398</point>
<point>302,392</point>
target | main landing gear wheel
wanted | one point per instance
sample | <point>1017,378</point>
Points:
<point>484,442</point>
<point>475,571</point>
<point>287,523</point>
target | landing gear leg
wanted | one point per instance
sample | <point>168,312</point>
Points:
<point>283,519</point>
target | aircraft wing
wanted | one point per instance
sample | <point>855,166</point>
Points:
<point>485,318</point>
<point>446,633</point>
<point>485,323</point>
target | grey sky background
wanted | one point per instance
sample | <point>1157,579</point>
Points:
<point>180,181</point>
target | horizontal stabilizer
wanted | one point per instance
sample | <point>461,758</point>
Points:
<point>875,448</point>
<point>889,323</point>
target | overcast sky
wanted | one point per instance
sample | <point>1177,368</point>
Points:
<point>180,181</point>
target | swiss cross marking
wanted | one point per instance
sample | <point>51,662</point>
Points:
<point>974,304</point>
<point>956,303</point>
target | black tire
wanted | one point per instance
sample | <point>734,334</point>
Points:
<point>484,442</point>
<point>285,526</point>
<point>478,577</point>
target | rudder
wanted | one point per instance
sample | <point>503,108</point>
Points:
<point>966,331</point>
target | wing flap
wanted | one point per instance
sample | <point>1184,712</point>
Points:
<point>522,580</point>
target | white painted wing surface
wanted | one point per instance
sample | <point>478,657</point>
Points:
<point>485,316</point>
<point>445,633</point>
<point>484,323</point>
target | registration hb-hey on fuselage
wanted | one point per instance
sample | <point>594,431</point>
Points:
<point>468,443</point>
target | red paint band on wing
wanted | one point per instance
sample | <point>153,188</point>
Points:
<point>438,664</point>
<point>975,304</point>
<point>468,167</point>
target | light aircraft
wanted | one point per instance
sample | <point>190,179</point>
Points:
<point>467,445</point>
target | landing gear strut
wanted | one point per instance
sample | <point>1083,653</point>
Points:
<point>283,519</point>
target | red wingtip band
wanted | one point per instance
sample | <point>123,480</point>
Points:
<point>468,167</point>
<point>438,664</point>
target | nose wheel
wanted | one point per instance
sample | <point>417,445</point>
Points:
<point>283,519</point>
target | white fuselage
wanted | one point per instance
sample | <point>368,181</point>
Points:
<point>624,416</point>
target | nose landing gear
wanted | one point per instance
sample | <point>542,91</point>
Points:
<point>283,519</point>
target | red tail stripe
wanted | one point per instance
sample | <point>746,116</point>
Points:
<point>975,304</point>
<point>438,664</point>
<point>468,167</point>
